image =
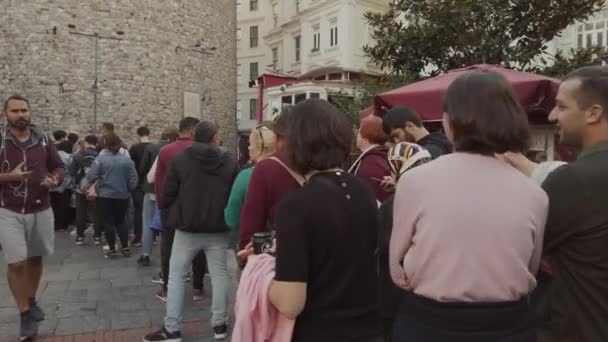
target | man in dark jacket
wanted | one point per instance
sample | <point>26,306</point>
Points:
<point>403,124</point>
<point>574,283</point>
<point>85,209</point>
<point>149,201</point>
<point>30,166</point>
<point>137,152</point>
<point>196,191</point>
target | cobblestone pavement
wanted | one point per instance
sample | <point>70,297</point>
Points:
<point>89,298</point>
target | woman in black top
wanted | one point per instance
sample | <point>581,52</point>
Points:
<point>326,276</point>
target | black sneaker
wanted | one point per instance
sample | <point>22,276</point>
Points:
<point>163,336</point>
<point>110,254</point>
<point>220,332</point>
<point>29,327</point>
<point>126,252</point>
<point>97,241</point>
<point>143,261</point>
<point>36,312</point>
<point>79,241</point>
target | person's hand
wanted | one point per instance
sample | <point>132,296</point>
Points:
<point>246,252</point>
<point>388,184</point>
<point>49,182</point>
<point>518,161</point>
<point>401,279</point>
<point>19,174</point>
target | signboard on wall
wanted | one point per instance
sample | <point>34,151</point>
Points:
<point>192,104</point>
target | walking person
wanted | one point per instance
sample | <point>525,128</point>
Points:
<point>30,167</point>
<point>149,201</point>
<point>61,195</point>
<point>165,157</point>
<point>114,176</point>
<point>574,295</point>
<point>195,193</point>
<point>468,228</point>
<point>85,208</point>
<point>137,153</point>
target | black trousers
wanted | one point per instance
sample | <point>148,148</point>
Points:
<point>60,203</point>
<point>85,212</point>
<point>138,207</point>
<point>199,264</point>
<point>113,218</point>
<point>424,320</point>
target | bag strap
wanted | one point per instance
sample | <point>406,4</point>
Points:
<point>298,178</point>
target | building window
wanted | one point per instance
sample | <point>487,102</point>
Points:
<point>592,34</point>
<point>253,109</point>
<point>316,41</point>
<point>253,71</point>
<point>253,37</point>
<point>238,71</point>
<point>275,58</point>
<point>253,5</point>
<point>297,6</point>
<point>297,41</point>
<point>333,33</point>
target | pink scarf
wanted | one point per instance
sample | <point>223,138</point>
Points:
<point>257,320</point>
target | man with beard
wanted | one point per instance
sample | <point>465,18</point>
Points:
<point>573,289</point>
<point>30,166</point>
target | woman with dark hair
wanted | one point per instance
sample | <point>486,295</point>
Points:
<point>468,228</point>
<point>115,177</point>
<point>326,233</point>
<point>371,166</point>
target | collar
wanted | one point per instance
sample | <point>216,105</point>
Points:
<point>35,135</point>
<point>183,139</point>
<point>599,147</point>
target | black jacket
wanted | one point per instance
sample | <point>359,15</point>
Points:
<point>436,143</point>
<point>147,160</point>
<point>196,189</point>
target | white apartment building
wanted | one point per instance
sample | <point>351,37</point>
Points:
<point>593,31</point>
<point>318,42</point>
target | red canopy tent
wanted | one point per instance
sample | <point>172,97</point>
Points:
<point>535,92</point>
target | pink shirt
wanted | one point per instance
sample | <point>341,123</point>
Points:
<point>467,228</point>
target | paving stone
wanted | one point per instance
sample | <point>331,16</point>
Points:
<point>82,324</point>
<point>132,280</point>
<point>89,275</point>
<point>90,285</point>
<point>130,320</point>
<point>67,310</point>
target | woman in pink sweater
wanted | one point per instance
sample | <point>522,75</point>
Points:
<point>468,228</point>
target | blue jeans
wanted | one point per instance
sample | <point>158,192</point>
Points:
<point>147,233</point>
<point>185,247</point>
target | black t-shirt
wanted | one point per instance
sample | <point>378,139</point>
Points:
<point>137,154</point>
<point>327,237</point>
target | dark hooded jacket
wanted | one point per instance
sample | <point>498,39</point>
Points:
<point>436,143</point>
<point>196,189</point>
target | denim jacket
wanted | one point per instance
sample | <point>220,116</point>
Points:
<point>115,175</point>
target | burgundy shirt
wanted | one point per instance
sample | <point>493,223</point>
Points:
<point>166,155</point>
<point>269,184</point>
<point>373,166</point>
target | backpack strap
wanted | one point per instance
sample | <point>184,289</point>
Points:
<point>296,176</point>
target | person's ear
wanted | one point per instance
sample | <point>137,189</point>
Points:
<point>594,114</point>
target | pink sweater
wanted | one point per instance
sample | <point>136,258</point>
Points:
<point>467,228</point>
<point>257,320</point>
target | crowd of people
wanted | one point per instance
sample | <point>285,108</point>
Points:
<point>451,235</point>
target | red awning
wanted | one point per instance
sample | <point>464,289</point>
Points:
<point>426,97</point>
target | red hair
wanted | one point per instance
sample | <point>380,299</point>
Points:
<point>371,129</point>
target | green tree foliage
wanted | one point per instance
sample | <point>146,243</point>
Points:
<point>362,94</point>
<point>422,37</point>
<point>562,64</point>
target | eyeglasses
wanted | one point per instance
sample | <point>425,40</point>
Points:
<point>258,128</point>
